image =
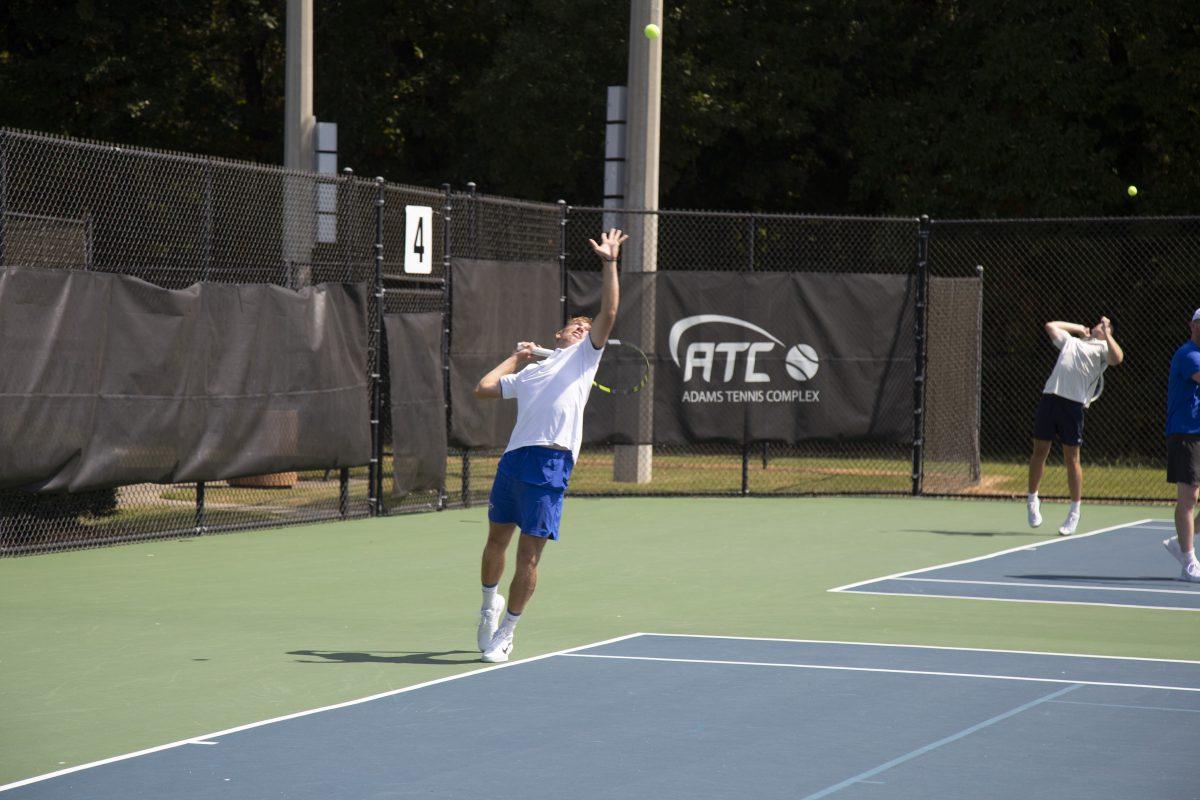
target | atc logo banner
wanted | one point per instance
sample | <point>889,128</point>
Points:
<point>715,354</point>
<point>764,356</point>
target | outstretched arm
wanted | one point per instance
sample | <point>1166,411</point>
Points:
<point>1115,354</point>
<point>609,251</point>
<point>488,387</point>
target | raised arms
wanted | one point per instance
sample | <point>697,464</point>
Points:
<point>1057,329</point>
<point>608,251</point>
<point>1115,354</point>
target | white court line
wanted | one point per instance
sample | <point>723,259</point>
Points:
<point>203,738</point>
<point>913,646</point>
<point>1126,705</point>
<point>939,596</point>
<point>890,671</point>
<point>1053,585</point>
<point>920,751</point>
<point>990,555</point>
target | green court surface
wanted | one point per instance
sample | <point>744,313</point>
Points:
<point>114,650</point>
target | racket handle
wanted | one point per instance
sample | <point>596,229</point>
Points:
<point>540,352</point>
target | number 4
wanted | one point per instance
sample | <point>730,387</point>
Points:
<point>419,240</point>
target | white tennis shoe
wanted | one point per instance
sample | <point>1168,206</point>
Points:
<point>1191,572</point>
<point>1070,524</point>
<point>1035,512</point>
<point>1176,551</point>
<point>489,620</point>
<point>500,646</point>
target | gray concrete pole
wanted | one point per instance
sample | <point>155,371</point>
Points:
<point>299,193</point>
<point>644,101</point>
<point>299,122</point>
<point>634,463</point>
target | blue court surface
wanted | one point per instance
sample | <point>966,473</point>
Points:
<point>1121,566</point>
<point>665,716</point>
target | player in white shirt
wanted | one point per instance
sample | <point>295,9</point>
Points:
<point>1084,354</point>
<point>532,476</point>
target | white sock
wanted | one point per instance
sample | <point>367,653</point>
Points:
<point>510,620</point>
<point>1074,509</point>
<point>489,593</point>
<point>1032,497</point>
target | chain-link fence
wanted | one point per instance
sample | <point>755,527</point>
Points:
<point>1139,272</point>
<point>174,219</point>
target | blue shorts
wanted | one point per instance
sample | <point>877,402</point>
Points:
<point>1059,418</point>
<point>528,489</point>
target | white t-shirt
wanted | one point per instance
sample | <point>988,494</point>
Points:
<point>1077,373</point>
<point>550,397</point>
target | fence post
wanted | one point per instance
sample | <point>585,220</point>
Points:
<point>745,442</point>
<point>447,310</point>
<point>977,463</point>
<point>472,219</point>
<point>199,526</point>
<point>375,471</point>
<point>922,294</point>
<point>563,211</point>
<point>3,191</point>
<point>206,229</point>
<point>750,243</point>
<point>344,491</point>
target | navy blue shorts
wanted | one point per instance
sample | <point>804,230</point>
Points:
<point>1183,459</point>
<point>1059,419</point>
<point>528,489</point>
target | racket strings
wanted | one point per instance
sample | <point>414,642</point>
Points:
<point>624,369</point>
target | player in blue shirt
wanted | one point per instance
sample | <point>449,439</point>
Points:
<point>1183,449</point>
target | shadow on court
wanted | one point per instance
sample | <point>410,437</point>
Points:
<point>399,657</point>
<point>988,534</point>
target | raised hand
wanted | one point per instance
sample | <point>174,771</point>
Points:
<point>609,248</point>
<point>524,352</point>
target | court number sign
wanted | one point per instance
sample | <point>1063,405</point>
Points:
<point>418,239</point>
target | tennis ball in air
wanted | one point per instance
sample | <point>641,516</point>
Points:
<point>801,362</point>
<point>651,31</point>
<point>1131,191</point>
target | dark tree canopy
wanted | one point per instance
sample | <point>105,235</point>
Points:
<point>951,108</point>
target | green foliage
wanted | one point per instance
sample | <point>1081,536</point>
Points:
<point>943,107</point>
<point>203,77</point>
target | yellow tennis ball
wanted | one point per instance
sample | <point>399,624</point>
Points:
<point>1131,191</point>
<point>651,31</point>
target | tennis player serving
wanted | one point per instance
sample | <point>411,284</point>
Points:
<point>1075,382</point>
<point>532,476</point>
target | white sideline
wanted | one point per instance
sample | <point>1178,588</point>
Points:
<point>890,671</point>
<point>1046,543</point>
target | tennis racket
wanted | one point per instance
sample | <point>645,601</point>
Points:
<point>624,369</point>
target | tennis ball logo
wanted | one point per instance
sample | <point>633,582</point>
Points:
<point>801,362</point>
